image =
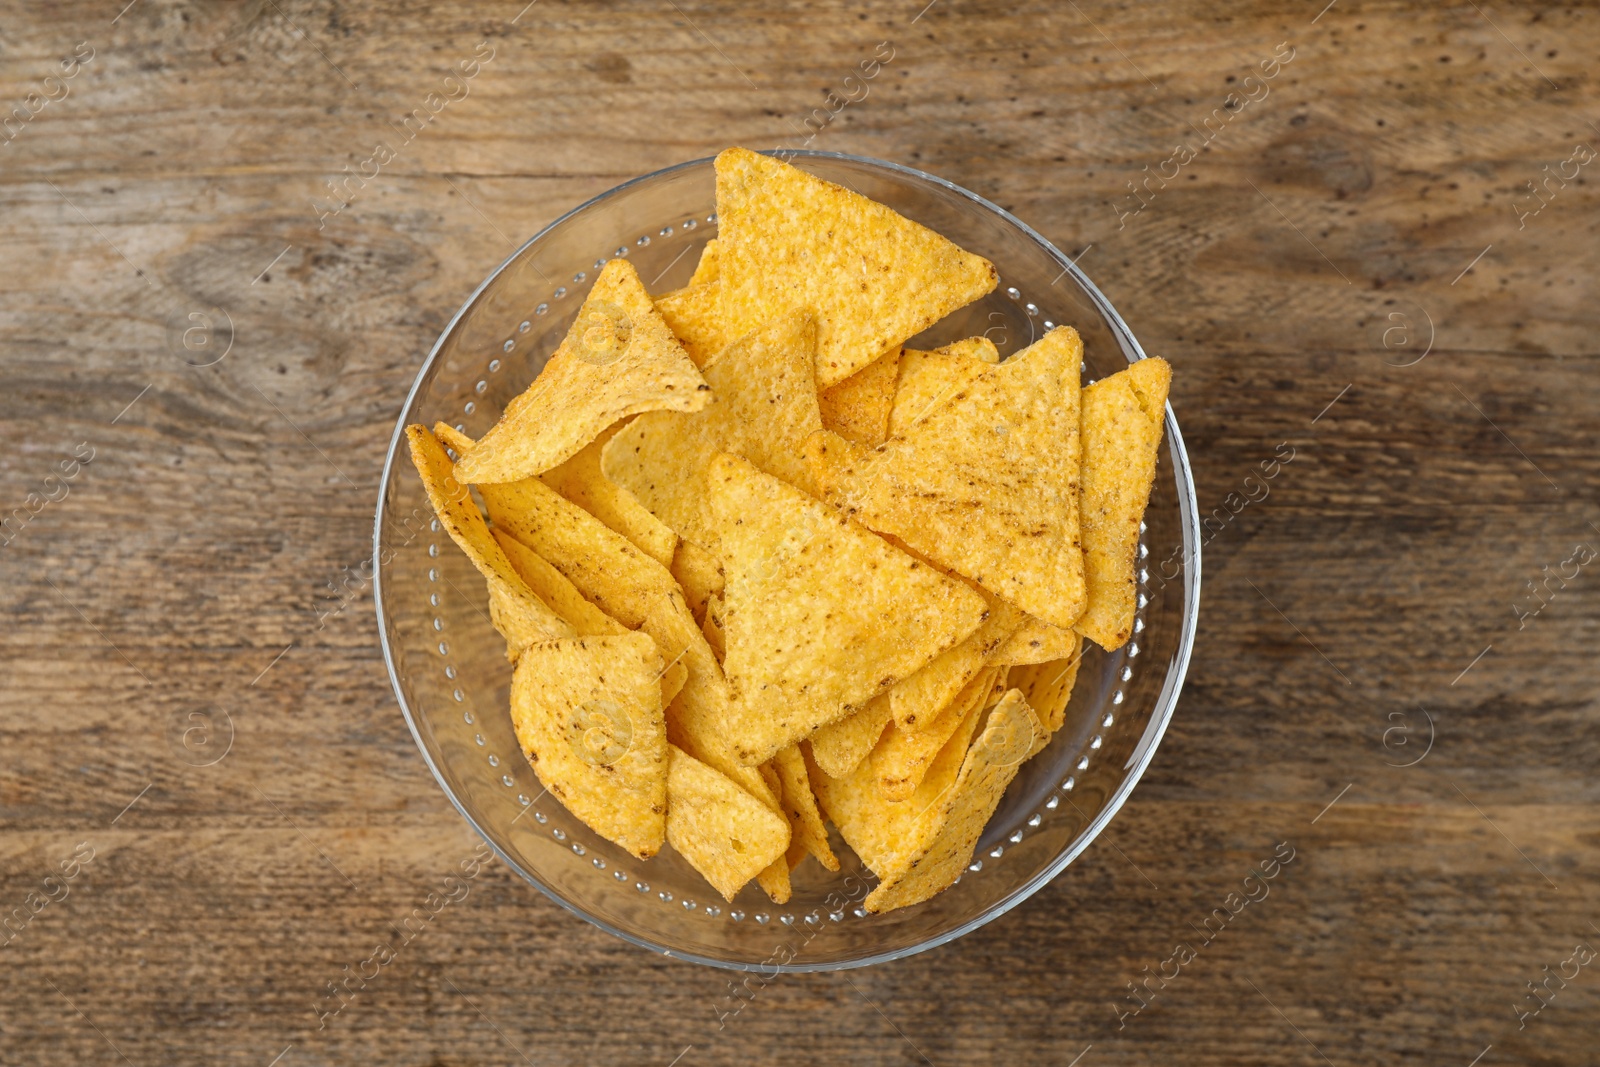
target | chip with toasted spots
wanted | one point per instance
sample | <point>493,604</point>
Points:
<point>455,440</point>
<point>774,878</point>
<point>694,315</point>
<point>840,746</point>
<point>766,406</point>
<point>800,805</point>
<point>699,575</point>
<point>725,833</point>
<point>987,483</point>
<point>711,626</point>
<point>1036,641</point>
<point>820,615</point>
<point>787,240</point>
<point>516,611</point>
<point>947,832</point>
<point>618,359</point>
<point>1122,422</point>
<point>1048,686</point>
<point>858,407</point>
<point>903,757</point>
<point>935,685</point>
<point>552,587</point>
<point>581,481</point>
<point>672,680</point>
<point>926,378</point>
<point>587,712</point>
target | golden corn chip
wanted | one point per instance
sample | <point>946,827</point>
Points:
<point>453,439</point>
<point>711,626</point>
<point>1036,641</point>
<point>1121,434</point>
<point>725,833</point>
<point>820,614</point>
<point>1048,686</point>
<point>620,580</point>
<point>587,713</point>
<point>672,680</point>
<point>879,829</point>
<point>790,240</point>
<point>618,359</point>
<point>928,378</point>
<point>936,685</point>
<point>987,483</point>
<point>706,269</point>
<point>800,805</point>
<point>903,757</point>
<point>694,315</point>
<point>858,407</point>
<point>840,746</point>
<point>774,878</point>
<point>516,611</point>
<point>699,575</point>
<point>766,406</point>
<point>552,587</point>
<point>947,832</point>
<point>581,481</point>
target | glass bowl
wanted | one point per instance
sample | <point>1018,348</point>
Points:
<point>449,669</point>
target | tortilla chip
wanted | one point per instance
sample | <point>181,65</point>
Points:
<point>987,483</point>
<point>519,615</point>
<point>766,406</point>
<point>725,833</point>
<point>711,626</point>
<point>927,378</point>
<point>587,713</point>
<point>903,757</point>
<point>820,614</point>
<point>878,829</point>
<point>790,240</point>
<point>858,407</point>
<point>694,315</point>
<point>936,685</point>
<point>706,269</point>
<point>947,832</point>
<point>618,359</point>
<point>840,746</point>
<point>1121,435</point>
<point>699,575</point>
<point>453,439</point>
<point>1036,641</point>
<point>672,680</point>
<point>774,878</point>
<point>619,579</point>
<point>800,805</point>
<point>552,587</point>
<point>581,481</point>
<point>1048,687</point>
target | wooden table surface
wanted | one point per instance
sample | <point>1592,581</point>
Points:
<point>1355,266</point>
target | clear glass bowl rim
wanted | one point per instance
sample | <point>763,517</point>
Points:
<point>1154,730</point>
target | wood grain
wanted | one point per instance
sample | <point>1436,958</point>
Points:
<point>1317,244</point>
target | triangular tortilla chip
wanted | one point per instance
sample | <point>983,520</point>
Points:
<point>694,315</point>
<point>987,483</point>
<point>672,680</point>
<point>903,757</point>
<point>926,379</point>
<point>840,746</point>
<point>858,407</point>
<point>620,580</point>
<point>1036,641</point>
<point>618,359</point>
<point>725,833</point>
<point>581,481</point>
<point>552,587</point>
<point>453,439</point>
<point>820,614</point>
<point>800,805</point>
<point>519,615</point>
<point>879,829</point>
<point>699,575</point>
<point>936,685</point>
<point>587,713</point>
<point>766,406</point>
<point>706,270</point>
<point>948,831</point>
<point>1122,423</point>
<point>774,878</point>
<point>789,240</point>
<point>1048,686</point>
<point>711,626</point>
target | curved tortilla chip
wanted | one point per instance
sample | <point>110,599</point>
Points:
<point>840,746</point>
<point>858,407</point>
<point>1048,686</point>
<point>694,315</point>
<point>725,833</point>
<point>927,378</point>
<point>581,481</point>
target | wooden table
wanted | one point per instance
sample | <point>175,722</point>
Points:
<point>1350,267</point>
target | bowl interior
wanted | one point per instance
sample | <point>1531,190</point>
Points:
<point>453,682</point>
